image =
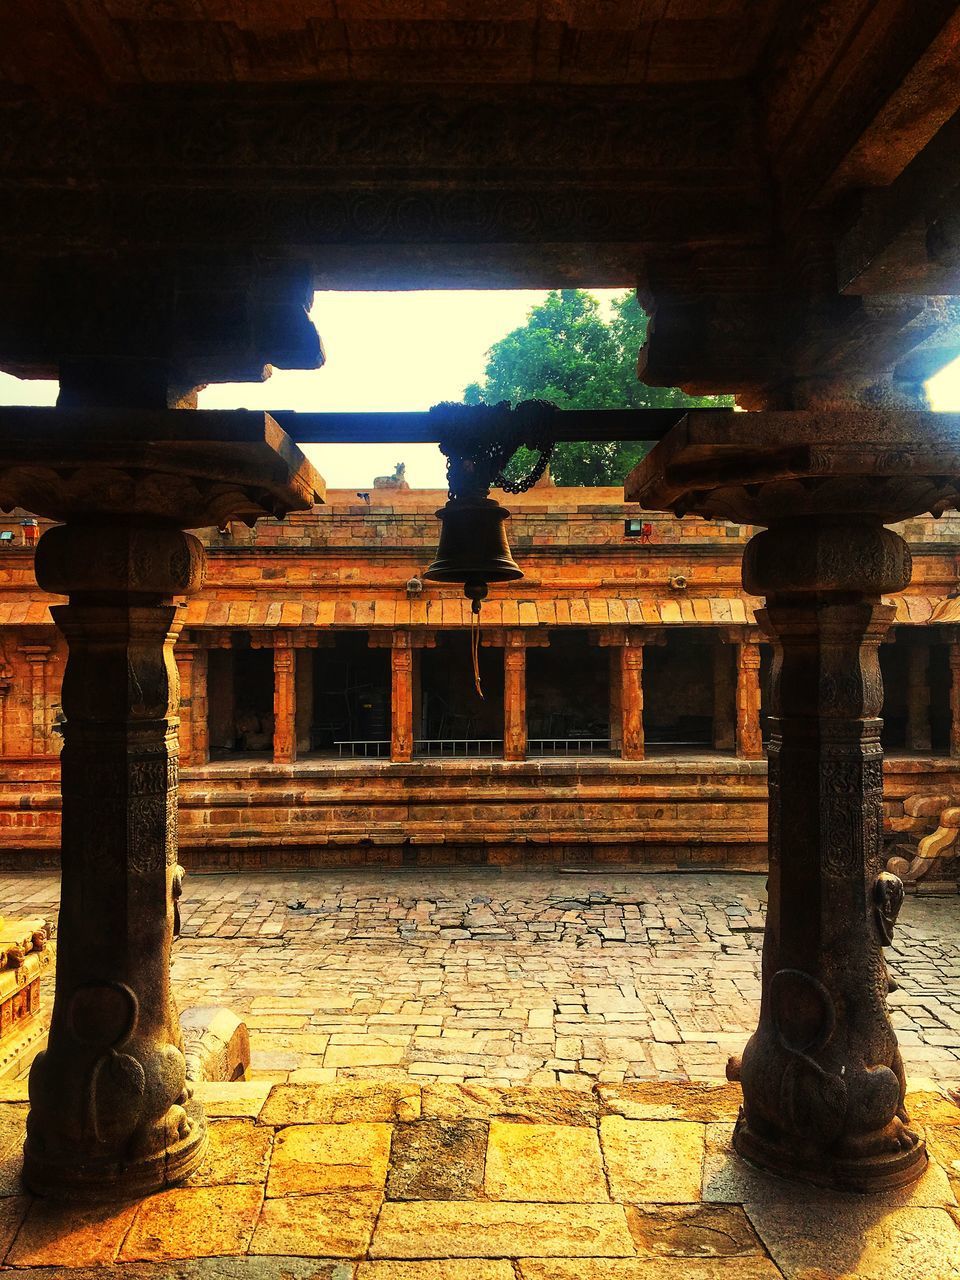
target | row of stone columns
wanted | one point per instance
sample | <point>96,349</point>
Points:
<point>736,712</point>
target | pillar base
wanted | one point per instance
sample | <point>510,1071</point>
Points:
<point>871,1171</point>
<point>99,1180</point>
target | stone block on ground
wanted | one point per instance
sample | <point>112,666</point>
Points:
<point>544,1162</point>
<point>65,1235</point>
<point>650,1269</point>
<point>477,1101</point>
<point>216,1043</point>
<point>447,1269</point>
<point>314,1158</point>
<point>436,1160</point>
<point>324,1226</point>
<point>693,1231</point>
<point>665,1100</point>
<point>192,1222</point>
<point>238,1152</point>
<point>347,1102</point>
<point>455,1229</point>
<point>233,1097</point>
<point>865,1239</point>
<point>659,1161</point>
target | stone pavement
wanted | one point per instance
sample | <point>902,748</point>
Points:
<point>510,977</point>
<point>380,1181</point>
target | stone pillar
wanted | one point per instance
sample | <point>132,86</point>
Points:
<point>515,696</point>
<point>724,699</point>
<point>749,737</point>
<point>955,698</point>
<point>401,686</point>
<point>194,731</point>
<point>823,1081</point>
<point>37,656</point>
<point>110,1108</point>
<point>284,699</point>
<point>303,679</point>
<point>918,697</point>
<point>822,1077</point>
<point>111,1117</point>
<point>631,699</point>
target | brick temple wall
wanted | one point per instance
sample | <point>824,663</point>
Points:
<point>345,566</point>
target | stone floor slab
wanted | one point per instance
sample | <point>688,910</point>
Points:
<point>434,1160</point>
<point>647,1269</point>
<point>448,1269</point>
<point>693,1231</point>
<point>544,1162</point>
<point>238,1152</point>
<point>193,1222</point>
<point>222,1268</point>
<point>54,1235</point>
<point>653,1160</point>
<point>329,1157</point>
<point>729,1180</point>
<point>317,1226</point>
<point>347,1102</point>
<point>447,1229</point>
<point>233,1098</point>
<point>865,1241</point>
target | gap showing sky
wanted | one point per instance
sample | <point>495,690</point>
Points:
<point>393,351</point>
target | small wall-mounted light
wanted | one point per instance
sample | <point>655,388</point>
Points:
<point>678,582</point>
<point>414,586</point>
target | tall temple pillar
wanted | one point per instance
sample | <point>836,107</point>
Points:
<point>616,708</point>
<point>111,1115</point>
<point>822,1077</point>
<point>37,657</point>
<point>401,686</point>
<point>954,658</point>
<point>918,696</point>
<point>626,686</point>
<point>515,696</point>
<point>284,698</point>
<point>749,736</point>
<point>194,731</point>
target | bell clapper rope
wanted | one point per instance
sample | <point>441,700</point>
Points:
<point>475,592</point>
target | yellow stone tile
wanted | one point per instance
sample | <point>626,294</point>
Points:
<point>63,1235</point>
<point>659,1161</point>
<point>325,1226</point>
<point>652,1269</point>
<point>239,1151</point>
<point>233,1098</point>
<point>544,1163</point>
<point>497,1229</point>
<point>193,1222</point>
<point>448,1269</point>
<point>329,1157</point>
<point>346,1102</point>
<point>12,1212</point>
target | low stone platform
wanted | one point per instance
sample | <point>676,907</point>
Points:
<point>393,1180</point>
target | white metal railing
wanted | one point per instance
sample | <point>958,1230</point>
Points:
<point>459,747</point>
<point>568,746</point>
<point>363,747</point>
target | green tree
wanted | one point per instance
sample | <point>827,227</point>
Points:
<point>567,353</point>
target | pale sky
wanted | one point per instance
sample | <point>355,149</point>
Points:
<point>395,351</point>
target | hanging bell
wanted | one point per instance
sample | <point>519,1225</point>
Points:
<point>473,545</point>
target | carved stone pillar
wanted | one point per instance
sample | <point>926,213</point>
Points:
<point>284,699</point>
<point>109,1103</point>
<point>401,686</point>
<point>822,1077</point>
<point>955,698</point>
<point>515,696</point>
<point>37,656</point>
<point>194,731</point>
<point>110,1114</point>
<point>749,737</point>
<point>724,699</point>
<point>918,697</point>
<point>632,745</point>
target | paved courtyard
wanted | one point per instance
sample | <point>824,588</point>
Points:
<point>543,978</point>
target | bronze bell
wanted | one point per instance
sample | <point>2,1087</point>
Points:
<point>473,546</point>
